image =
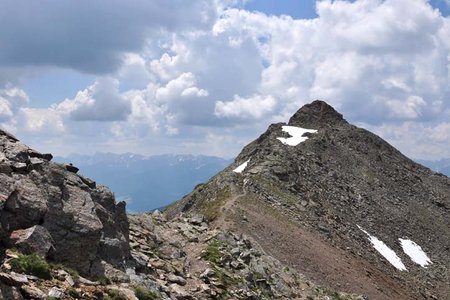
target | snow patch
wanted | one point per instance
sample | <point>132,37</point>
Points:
<point>241,167</point>
<point>415,252</point>
<point>296,134</point>
<point>386,252</point>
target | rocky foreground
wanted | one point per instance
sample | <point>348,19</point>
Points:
<point>179,259</point>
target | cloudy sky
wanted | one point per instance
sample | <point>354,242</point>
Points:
<point>208,76</point>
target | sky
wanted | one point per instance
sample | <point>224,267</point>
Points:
<point>209,76</point>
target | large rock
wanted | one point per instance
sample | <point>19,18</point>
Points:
<point>35,239</point>
<point>85,223</point>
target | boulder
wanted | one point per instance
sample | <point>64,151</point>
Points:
<point>56,293</point>
<point>32,292</point>
<point>34,239</point>
<point>176,279</point>
<point>13,279</point>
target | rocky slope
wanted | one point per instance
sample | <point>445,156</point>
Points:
<point>62,236</point>
<point>338,204</point>
<point>179,259</point>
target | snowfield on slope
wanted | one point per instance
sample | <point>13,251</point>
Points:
<point>296,134</point>
<point>415,252</point>
<point>241,167</point>
<point>385,251</point>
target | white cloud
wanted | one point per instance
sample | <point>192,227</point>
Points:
<point>108,30</point>
<point>11,100</point>
<point>417,140</point>
<point>99,102</point>
<point>255,107</point>
<point>412,108</point>
<point>182,86</point>
<point>45,122</point>
<point>383,63</point>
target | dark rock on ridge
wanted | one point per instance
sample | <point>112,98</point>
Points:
<point>316,115</point>
<point>84,221</point>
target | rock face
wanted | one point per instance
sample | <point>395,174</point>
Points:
<point>322,205</point>
<point>39,198</point>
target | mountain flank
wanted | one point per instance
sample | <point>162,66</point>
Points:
<point>63,236</point>
<point>338,204</point>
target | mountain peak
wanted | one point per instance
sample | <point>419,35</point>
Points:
<point>317,114</point>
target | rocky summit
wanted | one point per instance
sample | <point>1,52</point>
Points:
<point>338,204</point>
<point>313,209</point>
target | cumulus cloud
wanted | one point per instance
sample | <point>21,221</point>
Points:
<point>419,140</point>
<point>212,68</point>
<point>99,102</point>
<point>255,107</point>
<point>91,36</point>
<point>182,86</point>
<point>42,121</point>
<point>11,100</point>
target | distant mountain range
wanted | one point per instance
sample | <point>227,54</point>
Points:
<point>442,166</point>
<point>147,183</point>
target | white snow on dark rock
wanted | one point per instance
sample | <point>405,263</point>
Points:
<point>296,134</point>
<point>385,251</point>
<point>415,252</point>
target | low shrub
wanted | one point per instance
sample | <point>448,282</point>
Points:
<point>31,264</point>
<point>143,293</point>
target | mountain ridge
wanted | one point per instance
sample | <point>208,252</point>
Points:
<point>340,179</point>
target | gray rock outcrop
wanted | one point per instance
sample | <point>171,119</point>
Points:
<point>39,197</point>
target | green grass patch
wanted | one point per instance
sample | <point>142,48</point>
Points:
<point>213,252</point>
<point>115,295</point>
<point>74,293</point>
<point>210,208</point>
<point>103,280</point>
<point>31,264</point>
<point>142,293</point>
<point>276,191</point>
<point>73,273</point>
<point>334,295</point>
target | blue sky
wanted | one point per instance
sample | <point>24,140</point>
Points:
<point>301,9</point>
<point>306,9</point>
<point>175,76</point>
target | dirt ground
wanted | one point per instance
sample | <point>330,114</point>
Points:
<point>308,252</point>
